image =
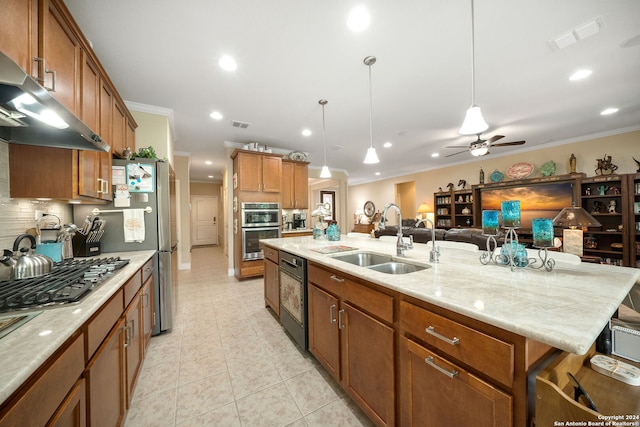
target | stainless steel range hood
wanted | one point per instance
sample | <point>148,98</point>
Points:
<point>25,106</point>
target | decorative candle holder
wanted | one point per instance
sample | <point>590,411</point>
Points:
<point>542,232</point>
<point>511,214</point>
<point>490,222</point>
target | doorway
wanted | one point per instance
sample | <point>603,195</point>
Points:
<point>204,220</point>
<point>406,199</point>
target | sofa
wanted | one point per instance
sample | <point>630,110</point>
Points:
<point>422,234</point>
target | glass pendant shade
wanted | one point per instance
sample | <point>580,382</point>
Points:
<point>371,157</point>
<point>473,123</point>
<point>325,172</point>
<point>479,151</point>
<point>575,217</point>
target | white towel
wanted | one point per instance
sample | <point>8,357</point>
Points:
<point>133,225</point>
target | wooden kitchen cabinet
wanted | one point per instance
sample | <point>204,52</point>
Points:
<point>73,411</point>
<point>19,32</point>
<point>106,380</point>
<point>133,343</point>
<point>348,319</point>
<point>257,171</point>
<point>147,312</point>
<point>118,138</point>
<point>440,393</point>
<point>295,185</point>
<point>272,279</point>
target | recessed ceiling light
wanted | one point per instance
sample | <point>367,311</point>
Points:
<point>358,19</point>
<point>227,63</point>
<point>580,74</point>
<point>435,154</point>
<point>210,176</point>
<point>607,111</point>
<point>377,173</point>
<point>216,115</point>
<point>387,144</point>
<point>306,132</point>
<point>208,162</point>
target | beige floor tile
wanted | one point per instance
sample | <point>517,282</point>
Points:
<point>311,391</point>
<point>224,416</point>
<point>201,365</point>
<point>157,409</point>
<point>253,375</point>
<point>292,363</point>
<point>156,377</point>
<point>273,406</point>
<point>339,413</point>
<point>201,396</point>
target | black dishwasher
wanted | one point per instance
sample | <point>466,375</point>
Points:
<point>293,297</point>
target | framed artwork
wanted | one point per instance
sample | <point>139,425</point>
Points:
<point>330,198</point>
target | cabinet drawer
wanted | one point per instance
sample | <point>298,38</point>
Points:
<point>100,326</point>
<point>327,280</point>
<point>131,287</point>
<point>147,270</point>
<point>476,349</point>
<point>272,254</point>
<point>370,300</point>
<point>42,399</point>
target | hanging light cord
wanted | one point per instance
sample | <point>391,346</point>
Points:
<point>324,136</point>
<point>473,59</point>
<point>370,109</point>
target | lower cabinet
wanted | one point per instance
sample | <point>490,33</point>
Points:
<point>354,346</point>
<point>272,279</point>
<point>436,392</point>
<point>105,374</point>
<point>133,343</point>
<point>73,411</point>
<point>147,312</point>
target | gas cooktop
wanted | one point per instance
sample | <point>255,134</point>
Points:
<point>68,282</point>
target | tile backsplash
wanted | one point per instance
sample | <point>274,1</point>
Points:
<point>18,215</point>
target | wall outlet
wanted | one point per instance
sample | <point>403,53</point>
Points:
<point>38,214</point>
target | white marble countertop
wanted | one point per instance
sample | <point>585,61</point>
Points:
<point>297,230</point>
<point>566,308</point>
<point>25,349</point>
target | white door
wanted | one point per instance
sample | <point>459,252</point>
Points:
<point>204,217</point>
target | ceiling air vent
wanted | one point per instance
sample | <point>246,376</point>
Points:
<point>239,124</point>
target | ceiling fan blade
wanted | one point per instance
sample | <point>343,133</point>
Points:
<point>457,146</point>
<point>459,152</point>
<point>503,144</point>
<point>495,138</point>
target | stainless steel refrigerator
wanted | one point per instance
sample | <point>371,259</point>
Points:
<point>160,234</point>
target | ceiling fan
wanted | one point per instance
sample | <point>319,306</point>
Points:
<point>480,147</point>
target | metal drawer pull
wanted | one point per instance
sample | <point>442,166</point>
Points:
<point>332,316</point>
<point>451,374</point>
<point>340,323</point>
<point>432,331</point>
<point>336,278</point>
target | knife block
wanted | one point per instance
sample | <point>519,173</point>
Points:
<point>82,248</point>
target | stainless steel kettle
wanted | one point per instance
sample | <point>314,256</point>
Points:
<point>22,263</point>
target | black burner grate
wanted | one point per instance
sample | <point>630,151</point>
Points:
<point>68,282</point>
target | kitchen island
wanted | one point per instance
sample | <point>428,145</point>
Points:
<point>58,342</point>
<point>487,326</point>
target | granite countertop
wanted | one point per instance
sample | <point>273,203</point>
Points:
<point>566,308</point>
<point>25,349</point>
<point>297,230</point>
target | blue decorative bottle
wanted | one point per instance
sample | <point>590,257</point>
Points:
<point>333,232</point>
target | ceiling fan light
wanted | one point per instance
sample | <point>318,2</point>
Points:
<point>473,122</point>
<point>371,157</point>
<point>325,172</point>
<point>479,151</point>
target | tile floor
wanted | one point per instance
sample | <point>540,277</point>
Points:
<point>228,362</point>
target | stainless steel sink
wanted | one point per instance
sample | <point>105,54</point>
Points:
<point>364,259</point>
<point>395,267</point>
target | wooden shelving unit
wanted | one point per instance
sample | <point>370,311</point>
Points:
<point>633,225</point>
<point>454,209</point>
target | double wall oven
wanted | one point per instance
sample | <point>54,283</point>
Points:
<point>258,221</point>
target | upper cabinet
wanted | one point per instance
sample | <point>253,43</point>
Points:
<point>295,185</point>
<point>257,171</point>
<point>42,37</point>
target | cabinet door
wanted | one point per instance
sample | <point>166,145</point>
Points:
<point>19,32</point>
<point>324,339</point>
<point>118,137</point>
<point>130,136</point>
<point>436,392</point>
<point>60,49</point>
<point>368,363</point>
<point>73,411</point>
<point>147,311</point>
<point>286,198</point>
<point>106,112</point>
<point>133,341</point>
<point>301,185</point>
<point>249,172</point>
<point>271,174</point>
<point>106,380</point>
<point>272,285</point>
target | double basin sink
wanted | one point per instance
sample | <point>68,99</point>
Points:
<point>382,263</point>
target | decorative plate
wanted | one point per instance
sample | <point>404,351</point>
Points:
<point>496,176</point>
<point>520,170</point>
<point>297,156</point>
<point>369,209</point>
<point>548,168</point>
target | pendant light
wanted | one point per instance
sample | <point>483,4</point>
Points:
<point>473,121</point>
<point>371,157</point>
<point>324,173</point>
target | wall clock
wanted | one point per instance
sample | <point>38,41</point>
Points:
<point>369,209</point>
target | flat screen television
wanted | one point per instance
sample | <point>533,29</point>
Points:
<point>544,200</point>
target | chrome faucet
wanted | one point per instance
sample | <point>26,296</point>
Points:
<point>400,244</point>
<point>434,254</point>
